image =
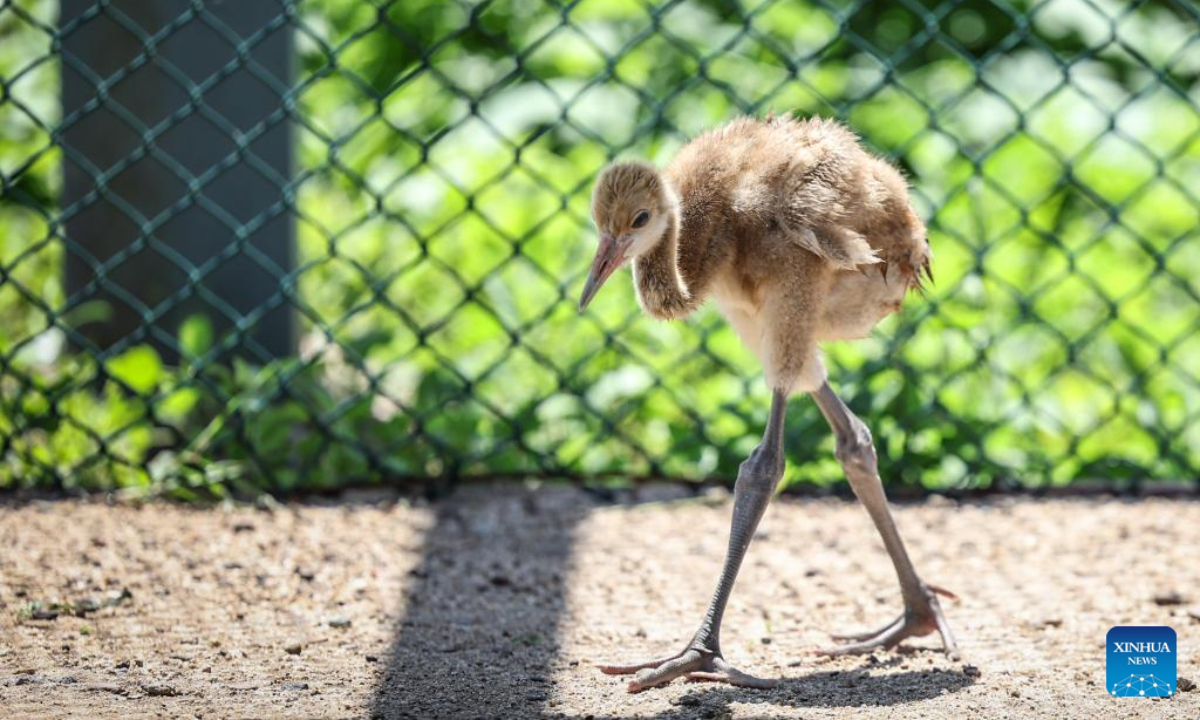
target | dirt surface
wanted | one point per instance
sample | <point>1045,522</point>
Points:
<point>496,603</point>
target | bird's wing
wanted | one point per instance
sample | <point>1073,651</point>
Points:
<point>843,248</point>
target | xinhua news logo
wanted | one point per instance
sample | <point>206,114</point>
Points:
<point>1141,661</point>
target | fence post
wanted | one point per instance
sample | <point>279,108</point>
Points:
<point>176,154</point>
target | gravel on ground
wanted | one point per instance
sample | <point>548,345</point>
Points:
<point>498,601</point>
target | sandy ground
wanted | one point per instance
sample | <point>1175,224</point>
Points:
<point>496,602</point>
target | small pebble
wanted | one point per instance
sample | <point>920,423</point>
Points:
<point>339,622</point>
<point>293,649</point>
<point>103,687</point>
<point>1170,598</point>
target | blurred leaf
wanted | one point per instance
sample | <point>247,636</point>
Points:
<point>138,367</point>
<point>196,335</point>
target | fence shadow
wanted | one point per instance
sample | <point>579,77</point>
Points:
<point>479,633</point>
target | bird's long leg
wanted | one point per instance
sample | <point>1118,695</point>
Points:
<point>922,613</point>
<point>701,659</point>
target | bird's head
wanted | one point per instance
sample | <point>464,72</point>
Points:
<point>632,206</point>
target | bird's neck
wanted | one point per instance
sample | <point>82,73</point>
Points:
<point>661,289</point>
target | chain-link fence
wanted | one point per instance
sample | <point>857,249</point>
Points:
<point>293,245</point>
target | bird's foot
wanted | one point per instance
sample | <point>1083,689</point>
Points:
<point>695,664</point>
<point>917,621</point>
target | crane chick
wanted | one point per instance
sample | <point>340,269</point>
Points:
<point>800,236</point>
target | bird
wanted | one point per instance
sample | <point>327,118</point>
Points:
<point>801,236</point>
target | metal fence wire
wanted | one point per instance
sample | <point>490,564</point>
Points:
<point>292,245</point>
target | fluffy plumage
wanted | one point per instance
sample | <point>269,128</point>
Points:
<point>798,233</point>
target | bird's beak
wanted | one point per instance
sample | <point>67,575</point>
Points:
<point>609,257</point>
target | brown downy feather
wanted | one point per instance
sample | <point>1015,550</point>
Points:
<point>769,216</point>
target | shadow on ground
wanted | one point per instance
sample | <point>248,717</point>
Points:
<point>479,634</point>
<point>835,689</point>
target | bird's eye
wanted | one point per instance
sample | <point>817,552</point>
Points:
<point>642,218</point>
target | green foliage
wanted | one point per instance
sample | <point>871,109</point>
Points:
<point>446,152</point>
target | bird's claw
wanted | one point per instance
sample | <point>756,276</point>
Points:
<point>727,673</point>
<point>913,622</point>
<point>691,664</point>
